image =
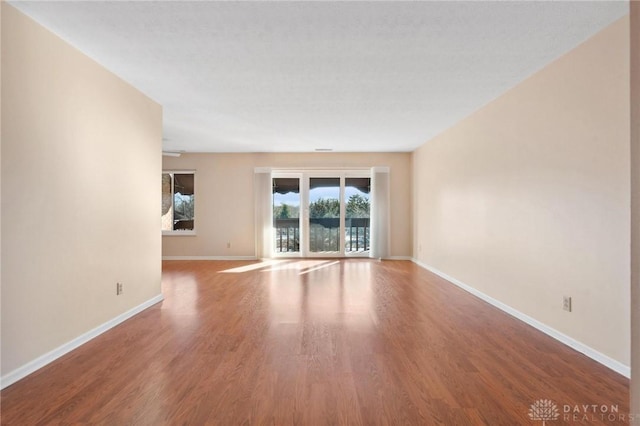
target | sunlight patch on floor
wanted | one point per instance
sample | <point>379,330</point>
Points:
<point>322,265</point>
<point>304,266</point>
<point>254,266</point>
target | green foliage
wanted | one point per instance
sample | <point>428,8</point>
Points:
<point>285,211</point>
<point>329,207</point>
<point>357,206</point>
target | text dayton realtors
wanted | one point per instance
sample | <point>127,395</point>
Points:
<point>593,412</point>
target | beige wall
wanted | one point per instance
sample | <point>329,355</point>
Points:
<point>81,156</point>
<point>635,206</point>
<point>1,6</point>
<point>527,199</point>
<point>225,206</point>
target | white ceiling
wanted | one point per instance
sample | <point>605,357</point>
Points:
<point>296,76</point>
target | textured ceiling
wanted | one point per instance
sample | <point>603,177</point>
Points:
<point>296,76</point>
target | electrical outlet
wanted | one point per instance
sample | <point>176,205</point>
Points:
<point>118,289</point>
<point>229,244</point>
<point>566,303</point>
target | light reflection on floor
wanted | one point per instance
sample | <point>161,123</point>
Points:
<point>291,292</point>
<point>326,291</point>
<point>253,266</point>
<point>303,266</point>
<point>180,303</point>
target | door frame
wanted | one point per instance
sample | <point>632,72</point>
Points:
<point>304,176</point>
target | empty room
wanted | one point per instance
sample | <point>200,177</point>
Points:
<point>320,212</point>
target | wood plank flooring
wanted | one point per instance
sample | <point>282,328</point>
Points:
<point>314,342</point>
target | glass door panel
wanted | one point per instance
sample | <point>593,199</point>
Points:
<point>324,215</point>
<point>357,214</point>
<point>286,215</point>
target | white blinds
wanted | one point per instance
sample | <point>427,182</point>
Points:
<point>263,213</point>
<point>380,212</point>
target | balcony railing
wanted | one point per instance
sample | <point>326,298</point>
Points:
<point>323,235</point>
<point>287,235</point>
<point>358,234</point>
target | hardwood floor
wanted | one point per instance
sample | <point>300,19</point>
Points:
<point>315,342</point>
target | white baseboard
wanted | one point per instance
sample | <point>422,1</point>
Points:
<point>603,359</point>
<point>267,258</point>
<point>21,372</point>
<point>209,258</point>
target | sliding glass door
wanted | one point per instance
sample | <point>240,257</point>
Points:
<point>321,214</point>
<point>324,215</point>
<point>357,217</point>
<point>286,215</point>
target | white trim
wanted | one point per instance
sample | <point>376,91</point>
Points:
<point>380,169</point>
<point>291,256</point>
<point>359,171</point>
<point>603,359</point>
<point>209,258</point>
<point>179,233</point>
<point>180,171</point>
<point>30,367</point>
<point>399,258</point>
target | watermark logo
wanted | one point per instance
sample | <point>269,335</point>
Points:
<point>544,410</point>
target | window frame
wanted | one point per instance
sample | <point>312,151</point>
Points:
<point>180,232</point>
<point>305,175</point>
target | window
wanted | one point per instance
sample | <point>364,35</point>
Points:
<point>178,203</point>
<point>286,214</point>
<point>317,213</point>
<point>324,215</point>
<point>357,214</point>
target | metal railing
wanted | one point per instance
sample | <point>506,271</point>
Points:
<point>324,235</point>
<point>358,234</point>
<point>287,235</point>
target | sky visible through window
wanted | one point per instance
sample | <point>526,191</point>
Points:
<point>290,198</point>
